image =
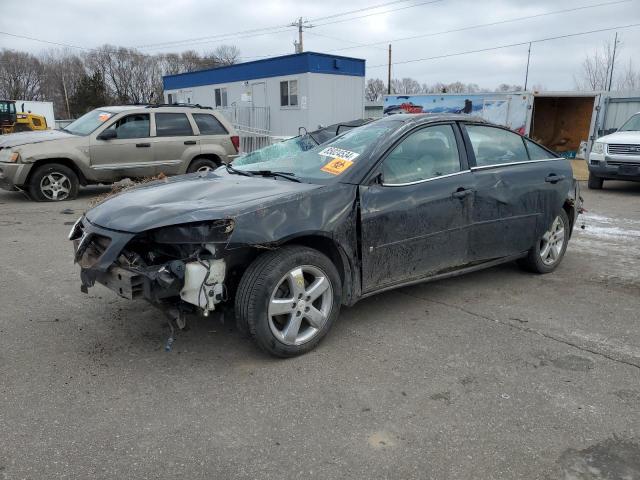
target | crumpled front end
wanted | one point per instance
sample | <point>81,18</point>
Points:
<point>179,265</point>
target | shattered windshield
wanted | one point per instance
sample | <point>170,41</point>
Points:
<point>286,148</point>
<point>323,162</point>
<point>88,122</point>
<point>631,125</point>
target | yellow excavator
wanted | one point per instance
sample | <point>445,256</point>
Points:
<point>12,121</point>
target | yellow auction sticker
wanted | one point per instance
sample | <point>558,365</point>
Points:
<point>336,166</point>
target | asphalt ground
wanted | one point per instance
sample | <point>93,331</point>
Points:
<point>499,374</point>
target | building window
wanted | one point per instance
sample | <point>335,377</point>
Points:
<point>170,99</point>
<point>221,97</point>
<point>289,93</point>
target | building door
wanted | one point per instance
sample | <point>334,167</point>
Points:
<point>259,94</point>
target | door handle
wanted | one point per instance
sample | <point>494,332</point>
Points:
<point>462,193</point>
<point>553,178</point>
<point>189,142</point>
<point>143,145</point>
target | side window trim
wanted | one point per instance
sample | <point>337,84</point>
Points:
<point>473,164</point>
<point>460,146</point>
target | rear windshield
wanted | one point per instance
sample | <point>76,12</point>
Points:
<point>88,122</point>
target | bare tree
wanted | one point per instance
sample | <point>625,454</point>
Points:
<point>596,68</point>
<point>629,78</point>
<point>225,55</point>
<point>374,90</point>
<point>505,87</point>
<point>21,76</point>
<point>406,86</point>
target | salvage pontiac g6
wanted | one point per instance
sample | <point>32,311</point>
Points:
<point>289,240</point>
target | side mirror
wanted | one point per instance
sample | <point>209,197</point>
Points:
<point>108,134</point>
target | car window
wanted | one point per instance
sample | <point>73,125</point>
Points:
<point>536,152</point>
<point>208,124</point>
<point>493,146</point>
<point>172,125</point>
<point>132,126</point>
<point>428,153</point>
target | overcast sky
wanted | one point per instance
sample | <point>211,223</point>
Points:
<point>132,23</point>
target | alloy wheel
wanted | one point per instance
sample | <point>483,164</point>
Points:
<point>55,186</point>
<point>300,305</point>
<point>552,242</point>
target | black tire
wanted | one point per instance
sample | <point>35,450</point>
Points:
<point>68,180</point>
<point>533,262</point>
<point>202,163</point>
<point>595,183</point>
<point>259,282</point>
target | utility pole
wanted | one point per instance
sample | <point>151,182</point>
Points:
<point>526,75</point>
<point>66,97</point>
<point>613,61</point>
<point>301,25</point>
<point>389,73</point>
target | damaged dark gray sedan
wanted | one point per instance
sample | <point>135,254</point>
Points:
<point>288,241</point>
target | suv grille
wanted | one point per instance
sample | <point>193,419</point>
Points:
<point>622,149</point>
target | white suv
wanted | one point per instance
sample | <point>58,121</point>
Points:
<point>616,156</point>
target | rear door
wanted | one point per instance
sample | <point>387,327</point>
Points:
<point>175,142</point>
<point>130,153</point>
<point>415,222</point>
<point>520,187</point>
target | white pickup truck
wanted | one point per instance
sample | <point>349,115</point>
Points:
<point>616,156</point>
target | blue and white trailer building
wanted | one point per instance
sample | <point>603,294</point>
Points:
<point>277,95</point>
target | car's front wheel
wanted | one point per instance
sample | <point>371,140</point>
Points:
<point>53,183</point>
<point>289,298</point>
<point>547,253</point>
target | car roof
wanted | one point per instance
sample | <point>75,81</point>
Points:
<point>419,118</point>
<point>152,107</point>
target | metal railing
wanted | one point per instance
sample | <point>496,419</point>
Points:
<point>253,125</point>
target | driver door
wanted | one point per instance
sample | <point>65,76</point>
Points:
<point>130,152</point>
<point>415,223</point>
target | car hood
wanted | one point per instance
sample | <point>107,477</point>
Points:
<point>191,198</point>
<point>23,138</point>
<point>621,137</point>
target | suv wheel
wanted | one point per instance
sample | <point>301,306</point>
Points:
<point>548,252</point>
<point>53,183</point>
<point>595,183</point>
<point>289,298</point>
<point>202,165</point>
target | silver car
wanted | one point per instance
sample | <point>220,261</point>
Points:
<point>111,143</point>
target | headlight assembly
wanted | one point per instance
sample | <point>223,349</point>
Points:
<point>598,147</point>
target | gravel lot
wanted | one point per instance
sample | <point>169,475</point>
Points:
<point>499,374</point>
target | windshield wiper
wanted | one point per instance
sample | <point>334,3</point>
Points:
<point>245,173</point>
<point>270,173</point>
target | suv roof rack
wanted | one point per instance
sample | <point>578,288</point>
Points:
<point>189,105</point>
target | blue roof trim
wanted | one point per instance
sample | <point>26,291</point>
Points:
<point>271,67</point>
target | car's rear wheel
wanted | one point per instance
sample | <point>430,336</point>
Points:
<point>53,183</point>
<point>595,183</point>
<point>202,165</point>
<point>547,253</point>
<point>289,298</point>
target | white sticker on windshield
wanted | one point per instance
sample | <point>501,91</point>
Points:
<point>338,152</point>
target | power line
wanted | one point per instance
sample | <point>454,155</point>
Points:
<point>498,47</point>
<point>268,30</point>
<point>43,41</point>
<point>380,5</point>
<point>481,25</point>
<point>379,13</point>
